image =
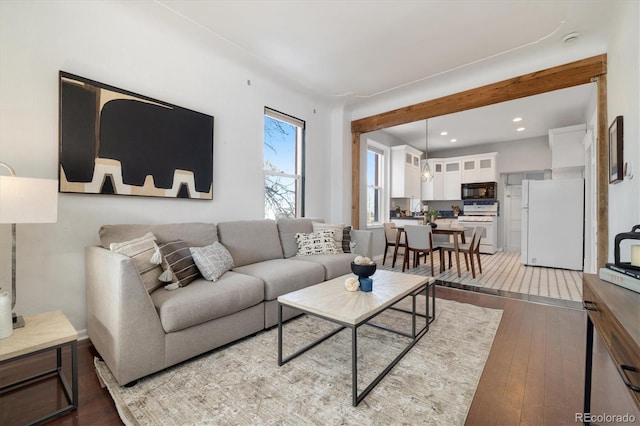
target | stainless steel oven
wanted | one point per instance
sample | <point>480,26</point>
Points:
<point>479,191</point>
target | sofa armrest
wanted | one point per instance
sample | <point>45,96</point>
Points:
<point>363,242</point>
<point>121,317</point>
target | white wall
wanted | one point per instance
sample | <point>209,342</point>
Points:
<point>623,98</point>
<point>117,44</point>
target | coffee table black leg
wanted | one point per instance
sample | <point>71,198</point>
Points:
<point>433,303</point>
<point>279,334</point>
<point>354,364</point>
<point>413,315</point>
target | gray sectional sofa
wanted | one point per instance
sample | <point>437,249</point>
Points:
<point>138,333</point>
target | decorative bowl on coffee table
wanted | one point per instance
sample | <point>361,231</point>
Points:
<point>363,271</point>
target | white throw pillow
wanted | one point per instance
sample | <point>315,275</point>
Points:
<point>212,260</point>
<point>316,243</point>
<point>338,233</point>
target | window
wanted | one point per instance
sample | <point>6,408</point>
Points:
<point>376,194</point>
<point>283,165</point>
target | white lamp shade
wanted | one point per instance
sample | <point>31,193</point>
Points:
<point>28,200</point>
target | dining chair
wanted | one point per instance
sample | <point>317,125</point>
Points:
<point>467,249</point>
<point>419,241</point>
<point>437,239</point>
<point>390,237</point>
<point>480,232</point>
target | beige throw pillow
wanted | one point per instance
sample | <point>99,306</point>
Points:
<point>145,254</point>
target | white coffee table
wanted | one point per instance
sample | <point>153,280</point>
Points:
<point>330,301</point>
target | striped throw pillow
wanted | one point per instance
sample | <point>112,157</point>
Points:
<point>179,267</point>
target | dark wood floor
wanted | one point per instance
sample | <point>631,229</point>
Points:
<point>534,374</point>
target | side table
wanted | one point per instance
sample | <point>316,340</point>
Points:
<point>41,333</point>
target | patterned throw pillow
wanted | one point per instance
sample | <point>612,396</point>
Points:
<point>346,239</point>
<point>316,243</point>
<point>143,251</point>
<point>179,267</point>
<point>338,233</point>
<point>212,260</point>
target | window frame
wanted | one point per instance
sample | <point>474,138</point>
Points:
<point>382,186</point>
<point>299,167</point>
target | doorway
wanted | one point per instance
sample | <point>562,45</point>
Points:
<point>571,74</point>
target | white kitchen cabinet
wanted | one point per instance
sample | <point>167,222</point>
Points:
<point>469,170</point>
<point>567,150</point>
<point>452,180</point>
<point>479,168</point>
<point>405,172</point>
<point>434,190</point>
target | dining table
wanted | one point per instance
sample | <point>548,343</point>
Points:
<point>440,230</point>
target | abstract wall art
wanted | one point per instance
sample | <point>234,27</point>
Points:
<point>117,142</point>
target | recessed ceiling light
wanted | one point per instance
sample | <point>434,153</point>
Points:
<point>454,140</point>
<point>515,120</point>
<point>520,129</point>
<point>443,133</point>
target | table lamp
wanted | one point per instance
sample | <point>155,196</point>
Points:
<point>25,200</point>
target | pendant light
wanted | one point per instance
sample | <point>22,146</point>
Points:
<point>425,173</point>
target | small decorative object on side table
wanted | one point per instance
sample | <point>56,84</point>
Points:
<point>41,333</point>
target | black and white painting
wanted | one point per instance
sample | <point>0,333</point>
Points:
<point>117,142</point>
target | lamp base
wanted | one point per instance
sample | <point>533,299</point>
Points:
<point>18,321</point>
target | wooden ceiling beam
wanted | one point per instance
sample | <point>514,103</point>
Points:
<point>556,78</point>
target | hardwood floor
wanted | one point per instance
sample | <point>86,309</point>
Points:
<point>534,374</point>
<point>503,274</point>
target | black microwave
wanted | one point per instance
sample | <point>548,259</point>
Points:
<point>479,191</point>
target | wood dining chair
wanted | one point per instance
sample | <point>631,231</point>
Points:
<point>419,241</point>
<point>480,232</point>
<point>467,249</point>
<point>390,237</point>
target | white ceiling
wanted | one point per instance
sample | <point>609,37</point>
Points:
<point>357,50</point>
<point>494,123</point>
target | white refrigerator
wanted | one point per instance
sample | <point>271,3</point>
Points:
<point>553,223</point>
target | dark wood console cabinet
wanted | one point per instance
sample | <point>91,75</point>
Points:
<point>615,313</point>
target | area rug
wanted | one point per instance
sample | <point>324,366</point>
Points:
<point>241,384</point>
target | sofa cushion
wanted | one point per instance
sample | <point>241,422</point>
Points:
<point>334,265</point>
<point>203,301</point>
<point>287,230</point>
<point>179,267</point>
<point>212,260</point>
<point>250,241</point>
<point>283,276</point>
<point>142,251</point>
<point>194,234</point>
